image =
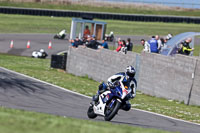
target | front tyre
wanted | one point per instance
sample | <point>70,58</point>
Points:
<point>91,113</point>
<point>110,112</point>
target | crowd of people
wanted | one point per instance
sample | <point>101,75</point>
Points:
<point>154,45</point>
<point>89,42</point>
<point>124,46</point>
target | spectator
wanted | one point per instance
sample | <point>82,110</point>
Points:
<point>129,45</point>
<point>119,42</point>
<point>157,37</point>
<point>153,45</point>
<point>122,48</point>
<point>92,43</point>
<point>104,44</point>
<point>146,46</point>
<point>86,32</point>
<point>77,42</point>
<point>163,41</point>
<point>120,45</point>
<point>73,44</point>
<point>86,41</point>
<point>185,47</point>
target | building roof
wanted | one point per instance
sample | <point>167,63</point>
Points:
<point>88,21</point>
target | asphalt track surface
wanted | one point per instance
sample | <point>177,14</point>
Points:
<point>37,42</point>
<point>41,41</point>
<point>22,92</point>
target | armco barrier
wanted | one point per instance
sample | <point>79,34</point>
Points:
<point>127,17</point>
<point>176,78</point>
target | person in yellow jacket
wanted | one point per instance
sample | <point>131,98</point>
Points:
<point>185,47</point>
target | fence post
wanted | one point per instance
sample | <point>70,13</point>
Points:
<point>193,77</point>
<point>137,66</point>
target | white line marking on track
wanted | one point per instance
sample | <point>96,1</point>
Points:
<point>62,52</point>
<point>45,82</point>
<point>90,97</point>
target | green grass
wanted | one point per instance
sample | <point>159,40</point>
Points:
<point>19,121</point>
<point>32,24</point>
<point>40,69</point>
<point>41,24</point>
<point>106,8</point>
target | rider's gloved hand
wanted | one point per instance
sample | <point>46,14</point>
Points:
<point>110,85</point>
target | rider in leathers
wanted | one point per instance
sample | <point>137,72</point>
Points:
<point>127,78</point>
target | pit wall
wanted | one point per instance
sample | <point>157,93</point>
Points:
<point>176,78</point>
<point>97,64</point>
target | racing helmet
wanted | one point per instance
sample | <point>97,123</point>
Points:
<point>130,71</point>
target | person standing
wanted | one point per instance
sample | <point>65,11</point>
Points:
<point>153,45</point>
<point>146,46</point>
<point>104,44</point>
<point>159,42</point>
<point>86,32</point>
<point>185,47</point>
<point>129,45</point>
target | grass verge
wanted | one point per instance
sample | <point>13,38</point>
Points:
<point>43,24</point>
<point>110,8</point>
<point>30,122</point>
<point>40,69</point>
<point>38,24</point>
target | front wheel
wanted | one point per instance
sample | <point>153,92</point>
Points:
<point>110,112</point>
<point>91,113</point>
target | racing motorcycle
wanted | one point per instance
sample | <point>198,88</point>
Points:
<point>60,35</point>
<point>110,101</point>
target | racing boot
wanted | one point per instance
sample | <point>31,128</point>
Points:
<point>102,88</point>
<point>95,98</point>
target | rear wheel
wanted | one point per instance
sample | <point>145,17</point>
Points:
<point>91,113</point>
<point>110,112</point>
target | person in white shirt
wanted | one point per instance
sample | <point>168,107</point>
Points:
<point>146,46</point>
<point>159,42</point>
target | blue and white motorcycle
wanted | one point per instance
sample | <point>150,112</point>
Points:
<point>110,101</point>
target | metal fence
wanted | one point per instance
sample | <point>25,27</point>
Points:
<point>114,16</point>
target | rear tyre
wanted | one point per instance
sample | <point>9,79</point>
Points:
<point>111,112</point>
<point>91,113</point>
